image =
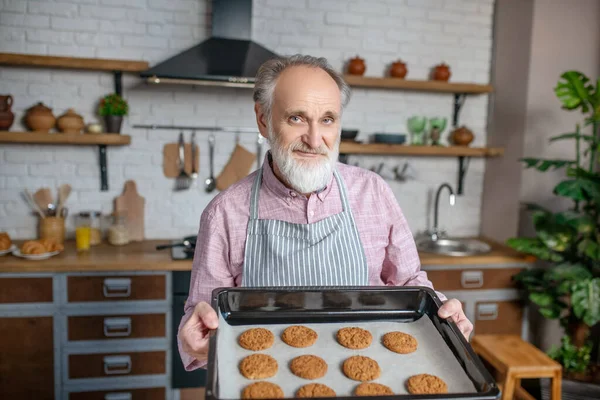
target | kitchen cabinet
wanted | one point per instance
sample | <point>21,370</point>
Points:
<point>27,357</point>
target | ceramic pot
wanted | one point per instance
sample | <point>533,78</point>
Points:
<point>113,123</point>
<point>7,117</point>
<point>398,69</point>
<point>357,66</point>
<point>39,118</point>
<point>441,72</point>
<point>462,136</point>
<point>70,122</point>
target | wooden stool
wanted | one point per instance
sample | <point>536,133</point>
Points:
<point>516,359</point>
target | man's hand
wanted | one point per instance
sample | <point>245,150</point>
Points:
<point>194,333</point>
<point>453,309</point>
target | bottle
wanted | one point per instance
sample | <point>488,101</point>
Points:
<point>83,231</point>
<point>118,235</point>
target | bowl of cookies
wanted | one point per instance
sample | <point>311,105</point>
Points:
<point>38,249</point>
<point>360,341</point>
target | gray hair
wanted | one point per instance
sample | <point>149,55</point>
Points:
<point>267,75</point>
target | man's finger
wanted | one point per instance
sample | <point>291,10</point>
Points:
<point>207,315</point>
<point>450,308</point>
<point>466,327</point>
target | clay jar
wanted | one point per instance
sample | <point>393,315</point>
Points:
<point>70,122</point>
<point>357,66</point>
<point>39,118</point>
<point>6,115</point>
<point>441,72</point>
<point>398,69</point>
<point>461,136</point>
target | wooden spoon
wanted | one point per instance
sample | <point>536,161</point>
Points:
<point>64,191</point>
<point>42,198</point>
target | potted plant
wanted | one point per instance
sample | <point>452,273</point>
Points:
<point>113,107</point>
<point>566,283</point>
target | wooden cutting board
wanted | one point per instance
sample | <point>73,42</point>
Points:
<point>132,204</point>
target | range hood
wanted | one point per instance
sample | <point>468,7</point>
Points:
<point>228,58</point>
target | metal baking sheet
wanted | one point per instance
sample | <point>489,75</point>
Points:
<point>433,356</point>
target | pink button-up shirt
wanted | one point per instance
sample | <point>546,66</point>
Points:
<point>392,257</point>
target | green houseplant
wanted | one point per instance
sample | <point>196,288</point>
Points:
<point>112,108</point>
<point>566,284</point>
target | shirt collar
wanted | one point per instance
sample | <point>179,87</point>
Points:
<point>276,186</point>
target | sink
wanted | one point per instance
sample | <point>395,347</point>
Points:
<point>456,247</point>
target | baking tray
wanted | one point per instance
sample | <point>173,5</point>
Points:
<point>378,309</point>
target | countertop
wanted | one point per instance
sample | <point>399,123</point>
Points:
<point>142,256</point>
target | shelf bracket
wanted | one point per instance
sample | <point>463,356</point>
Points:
<point>463,165</point>
<point>459,101</point>
<point>118,75</point>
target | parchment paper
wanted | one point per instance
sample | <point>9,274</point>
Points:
<point>432,356</point>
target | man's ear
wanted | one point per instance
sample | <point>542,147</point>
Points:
<point>261,121</point>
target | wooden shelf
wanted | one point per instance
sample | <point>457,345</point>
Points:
<point>94,64</point>
<point>432,151</point>
<point>108,139</point>
<point>424,86</point>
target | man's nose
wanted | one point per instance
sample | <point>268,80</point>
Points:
<point>313,136</point>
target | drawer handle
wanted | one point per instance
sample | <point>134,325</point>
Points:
<point>471,279</point>
<point>117,327</point>
<point>117,365</point>
<point>117,287</point>
<point>487,312</point>
<point>118,396</point>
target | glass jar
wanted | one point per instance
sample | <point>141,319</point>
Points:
<point>118,235</point>
<point>83,222</point>
<point>95,228</point>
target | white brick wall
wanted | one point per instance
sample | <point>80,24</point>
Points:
<point>421,32</point>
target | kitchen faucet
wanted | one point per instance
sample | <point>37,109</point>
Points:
<point>435,233</point>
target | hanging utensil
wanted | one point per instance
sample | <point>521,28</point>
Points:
<point>43,197</point>
<point>183,181</point>
<point>210,183</point>
<point>194,158</point>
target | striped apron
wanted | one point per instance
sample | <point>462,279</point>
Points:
<point>325,253</point>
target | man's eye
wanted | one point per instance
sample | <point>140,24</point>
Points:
<point>328,121</point>
<point>295,118</point>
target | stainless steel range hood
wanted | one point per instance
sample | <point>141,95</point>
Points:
<point>228,58</point>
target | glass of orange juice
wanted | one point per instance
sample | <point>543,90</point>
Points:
<point>83,231</point>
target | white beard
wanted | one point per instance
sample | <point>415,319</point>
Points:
<point>305,176</point>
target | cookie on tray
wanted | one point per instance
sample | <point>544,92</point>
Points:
<point>400,342</point>
<point>372,389</point>
<point>308,367</point>
<point>258,366</point>
<point>426,384</point>
<point>299,336</point>
<point>354,338</point>
<point>262,390</point>
<point>361,368</point>
<point>256,339</point>
<point>315,390</point>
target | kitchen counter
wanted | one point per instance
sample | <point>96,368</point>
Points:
<point>142,256</point>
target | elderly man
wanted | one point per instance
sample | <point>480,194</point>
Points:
<point>303,218</point>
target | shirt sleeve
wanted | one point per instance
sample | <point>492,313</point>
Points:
<point>210,270</point>
<point>401,265</point>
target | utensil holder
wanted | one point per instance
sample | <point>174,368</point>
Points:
<point>52,228</point>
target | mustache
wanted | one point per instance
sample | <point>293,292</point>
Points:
<point>301,146</point>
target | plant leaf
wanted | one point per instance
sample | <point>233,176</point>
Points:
<point>586,301</point>
<point>550,313</point>
<point>574,135</point>
<point>574,90</point>
<point>567,272</point>
<point>544,165</point>
<point>535,247</point>
<point>542,299</point>
<point>535,207</point>
<point>578,189</point>
<point>590,248</point>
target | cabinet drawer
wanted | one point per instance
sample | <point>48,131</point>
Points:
<point>26,290</point>
<point>500,317</point>
<point>116,288</point>
<point>116,364</point>
<point>470,279</point>
<point>116,326</point>
<point>125,394</point>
